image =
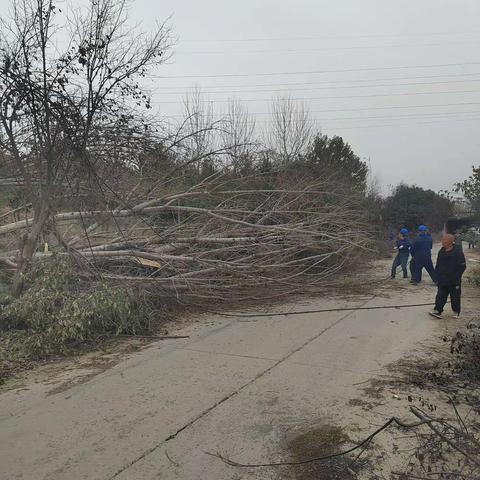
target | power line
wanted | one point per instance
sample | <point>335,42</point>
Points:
<point>386,107</point>
<point>353,121</point>
<point>322,49</point>
<point>307,72</point>
<point>436,117</point>
<point>323,37</point>
<point>400,124</point>
<point>392,117</point>
<point>402,94</point>
<point>335,87</point>
<point>424,77</point>
<point>404,124</point>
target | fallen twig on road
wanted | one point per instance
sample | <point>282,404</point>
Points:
<point>392,420</point>
<point>456,439</point>
<point>422,416</point>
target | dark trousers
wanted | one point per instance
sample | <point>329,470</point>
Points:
<point>401,259</point>
<point>416,266</point>
<point>443,292</point>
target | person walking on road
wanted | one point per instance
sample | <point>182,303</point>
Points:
<point>403,246</point>
<point>449,270</point>
<point>471,237</point>
<point>421,252</point>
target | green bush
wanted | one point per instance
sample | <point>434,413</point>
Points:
<point>57,312</point>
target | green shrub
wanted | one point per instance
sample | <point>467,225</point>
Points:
<point>57,312</point>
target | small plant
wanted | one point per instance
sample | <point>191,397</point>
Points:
<point>57,313</point>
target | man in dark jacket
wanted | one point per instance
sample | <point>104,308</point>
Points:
<point>449,270</point>
<point>421,252</point>
<point>403,246</point>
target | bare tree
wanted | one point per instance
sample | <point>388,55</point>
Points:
<point>203,141</point>
<point>238,136</point>
<point>291,128</point>
<point>68,117</point>
<point>374,186</point>
<point>197,128</point>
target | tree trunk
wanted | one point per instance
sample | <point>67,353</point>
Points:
<point>27,248</point>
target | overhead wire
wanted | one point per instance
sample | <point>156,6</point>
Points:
<point>323,37</point>
<point>158,88</point>
<point>379,117</point>
<point>364,109</point>
<point>309,72</point>
<point>382,117</point>
<point>322,49</point>
<point>330,97</point>
<point>364,83</point>
<point>333,86</point>
<point>386,125</point>
<point>432,119</point>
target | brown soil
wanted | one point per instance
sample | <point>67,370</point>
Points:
<point>323,440</point>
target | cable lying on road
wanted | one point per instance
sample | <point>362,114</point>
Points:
<point>155,337</point>
<point>322,310</point>
<point>364,443</point>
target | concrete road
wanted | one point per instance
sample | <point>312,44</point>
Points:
<point>237,386</point>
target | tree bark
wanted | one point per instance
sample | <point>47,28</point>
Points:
<point>28,246</point>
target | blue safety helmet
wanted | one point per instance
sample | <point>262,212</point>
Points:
<point>422,228</point>
<point>404,231</point>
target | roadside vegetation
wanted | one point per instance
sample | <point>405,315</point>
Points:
<point>108,210</point>
<point>57,313</point>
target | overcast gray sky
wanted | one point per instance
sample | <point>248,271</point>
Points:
<point>418,124</point>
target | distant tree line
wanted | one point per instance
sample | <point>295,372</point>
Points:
<point>470,188</point>
<point>410,206</point>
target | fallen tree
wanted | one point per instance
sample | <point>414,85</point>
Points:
<point>218,239</point>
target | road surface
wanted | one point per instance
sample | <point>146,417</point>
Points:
<point>239,386</point>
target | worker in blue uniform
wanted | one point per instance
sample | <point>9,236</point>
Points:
<point>421,252</point>
<point>403,246</point>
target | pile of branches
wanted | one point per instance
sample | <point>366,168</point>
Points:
<point>447,449</point>
<point>224,238</point>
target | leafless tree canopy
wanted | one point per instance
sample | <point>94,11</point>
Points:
<point>291,129</point>
<point>239,136</point>
<point>196,208</point>
<point>67,115</point>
